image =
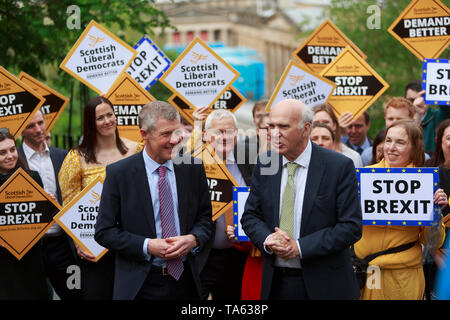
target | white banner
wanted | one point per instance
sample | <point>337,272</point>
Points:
<point>398,196</point>
<point>98,58</point>
<point>79,217</point>
<point>199,76</point>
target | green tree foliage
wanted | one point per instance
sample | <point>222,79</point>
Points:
<point>390,59</point>
<point>37,35</point>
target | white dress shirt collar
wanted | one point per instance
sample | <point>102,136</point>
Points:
<point>29,152</point>
<point>304,158</point>
<point>152,165</point>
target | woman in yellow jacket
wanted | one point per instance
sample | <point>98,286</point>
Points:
<point>401,275</point>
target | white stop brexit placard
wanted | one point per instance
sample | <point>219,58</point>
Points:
<point>149,64</point>
<point>398,196</point>
<point>436,81</point>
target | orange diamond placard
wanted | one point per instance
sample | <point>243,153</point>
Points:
<point>26,213</point>
<point>128,97</point>
<point>18,103</point>
<point>322,46</point>
<point>54,102</point>
<point>98,58</point>
<point>230,100</point>
<point>220,180</point>
<point>299,84</point>
<point>79,216</point>
<point>424,28</point>
<point>357,84</point>
<point>199,76</point>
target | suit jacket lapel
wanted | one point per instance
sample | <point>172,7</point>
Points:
<point>180,177</point>
<point>315,172</point>
<point>275,181</point>
<point>142,189</point>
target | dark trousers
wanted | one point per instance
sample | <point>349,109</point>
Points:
<point>429,271</point>
<point>222,275</point>
<point>58,256</point>
<point>288,284</point>
<point>97,278</point>
<point>159,286</point>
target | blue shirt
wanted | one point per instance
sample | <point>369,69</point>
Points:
<point>366,144</point>
<point>151,168</point>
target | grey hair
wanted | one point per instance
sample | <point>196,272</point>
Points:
<point>219,115</point>
<point>307,116</point>
<point>152,111</point>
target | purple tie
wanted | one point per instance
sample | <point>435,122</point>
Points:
<point>174,266</point>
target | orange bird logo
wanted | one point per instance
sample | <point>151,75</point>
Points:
<point>295,79</point>
<point>95,40</point>
<point>95,197</point>
<point>197,57</point>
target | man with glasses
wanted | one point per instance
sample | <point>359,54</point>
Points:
<point>47,161</point>
<point>223,263</point>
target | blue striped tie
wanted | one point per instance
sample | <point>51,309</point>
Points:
<point>174,266</point>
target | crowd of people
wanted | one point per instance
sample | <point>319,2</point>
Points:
<point>304,220</point>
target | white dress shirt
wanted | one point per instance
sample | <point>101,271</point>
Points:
<point>42,163</point>
<point>301,173</point>
<point>151,168</point>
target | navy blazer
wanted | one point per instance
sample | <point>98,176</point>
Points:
<point>126,219</point>
<point>57,156</point>
<point>331,222</point>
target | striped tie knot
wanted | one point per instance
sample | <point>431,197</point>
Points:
<point>162,171</point>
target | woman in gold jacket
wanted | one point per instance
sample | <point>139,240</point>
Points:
<point>401,275</point>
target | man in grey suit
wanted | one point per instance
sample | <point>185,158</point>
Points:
<point>305,217</point>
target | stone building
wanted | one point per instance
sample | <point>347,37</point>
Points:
<point>272,27</point>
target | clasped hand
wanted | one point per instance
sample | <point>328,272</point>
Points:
<point>281,244</point>
<point>171,248</point>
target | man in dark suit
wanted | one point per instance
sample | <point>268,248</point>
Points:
<point>223,264</point>
<point>305,215</point>
<point>357,133</point>
<point>155,213</point>
<point>59,252</point>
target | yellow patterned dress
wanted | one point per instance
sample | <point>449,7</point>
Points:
<point>73,177</point>
<point>97,279</point>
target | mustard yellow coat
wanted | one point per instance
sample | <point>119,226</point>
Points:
<point>400,274</point>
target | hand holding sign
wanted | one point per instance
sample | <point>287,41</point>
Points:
<point>420,107</point>
<point>345,119</point>
<point>230,232</point>
<point>440,197</point>
<point>201,113</point>
<point>84,255</point>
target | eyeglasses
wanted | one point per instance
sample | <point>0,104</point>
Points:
<point>4,130</point>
